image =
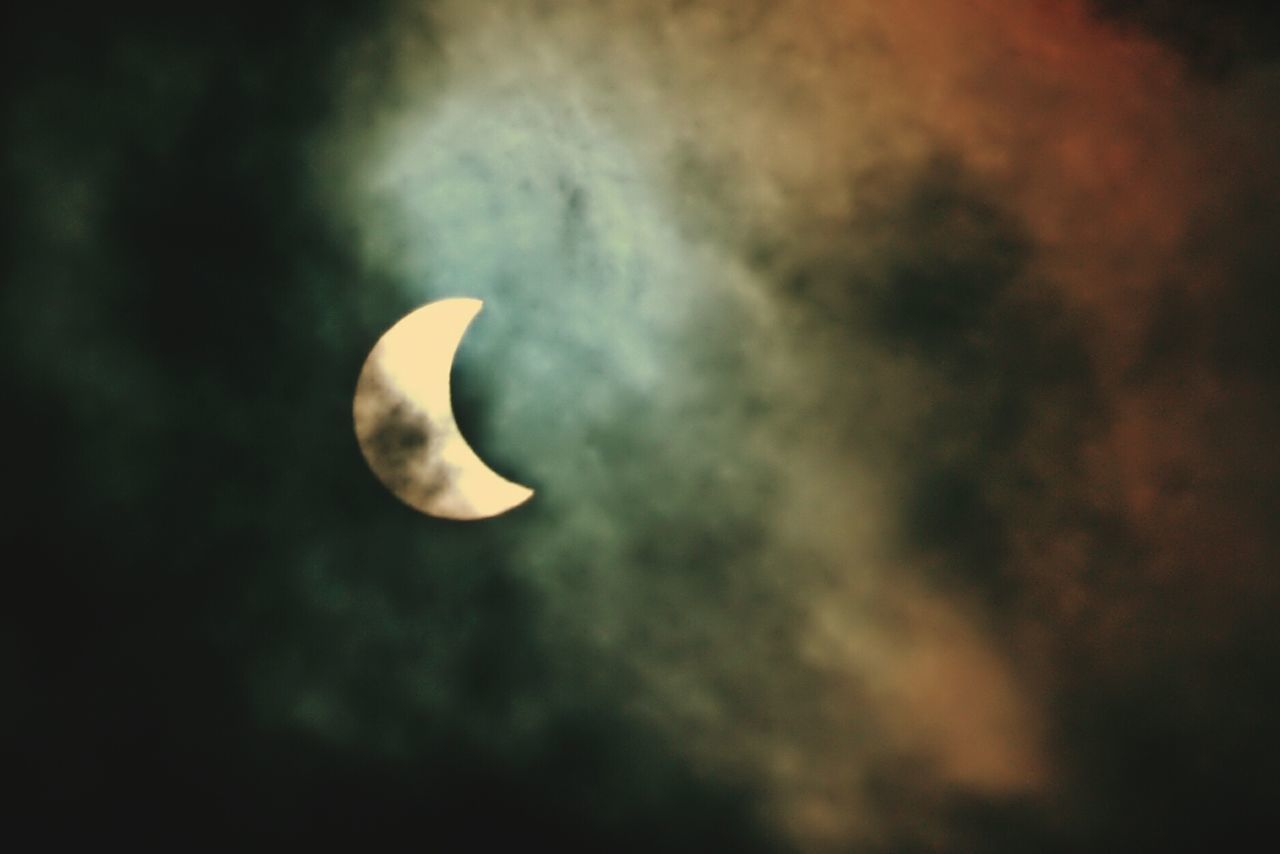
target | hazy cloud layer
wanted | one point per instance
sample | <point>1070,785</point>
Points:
<point>857,297</point>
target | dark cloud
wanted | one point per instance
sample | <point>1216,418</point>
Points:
<point>1217,39</point>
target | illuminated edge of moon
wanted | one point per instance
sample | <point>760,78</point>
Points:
<point>404,421</point>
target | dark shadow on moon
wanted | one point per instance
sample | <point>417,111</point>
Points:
<point>398,442</point>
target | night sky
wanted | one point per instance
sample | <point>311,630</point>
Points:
<point>899,382</point>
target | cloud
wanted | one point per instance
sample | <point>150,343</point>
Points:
<point>835,315</point>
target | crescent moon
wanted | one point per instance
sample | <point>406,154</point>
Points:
<point>404,419</point>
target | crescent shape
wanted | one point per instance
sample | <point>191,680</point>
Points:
<point>404,419</point>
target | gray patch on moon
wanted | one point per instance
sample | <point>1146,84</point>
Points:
<point>398,440</point>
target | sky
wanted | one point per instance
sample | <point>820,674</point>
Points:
<point>897,383</point>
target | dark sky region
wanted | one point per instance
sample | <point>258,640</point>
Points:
<point>898,382</point>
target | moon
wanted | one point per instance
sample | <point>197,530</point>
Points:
<point>404,419</point>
